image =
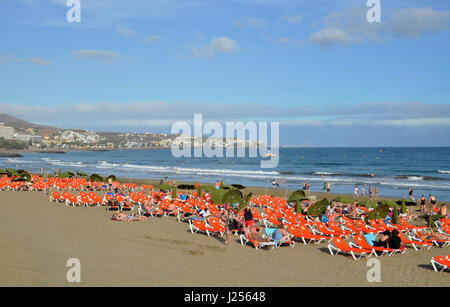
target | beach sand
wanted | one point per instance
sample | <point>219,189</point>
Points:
<point>37,238</point>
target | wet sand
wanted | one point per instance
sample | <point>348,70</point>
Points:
<point>37,238</point>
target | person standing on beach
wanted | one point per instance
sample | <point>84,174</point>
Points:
<point>217,185</point>
<point>363,191</point>
<point>248,217</point>
<point>423,201</point>
<point>411,193</point>
<point>196,185</point>
<point>433,204</point>
<point>355,192</point>
<point>324,187</point>
<point>328,187</point>
<point>376,193</point>
<point>229,224</point>
<point>370,192</point>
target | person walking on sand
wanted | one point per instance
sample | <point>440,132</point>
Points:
<point>433,204</point>
<point>355,192</point>
<point>229,224</point>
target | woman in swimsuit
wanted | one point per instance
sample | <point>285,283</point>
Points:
<point>423,201</point>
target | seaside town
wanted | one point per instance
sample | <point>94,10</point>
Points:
<point>62,139</point>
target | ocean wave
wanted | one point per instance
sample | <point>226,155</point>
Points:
<point>418,178</point>
<point>443,172</point>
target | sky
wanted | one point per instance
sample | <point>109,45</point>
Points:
<point>319,68</point>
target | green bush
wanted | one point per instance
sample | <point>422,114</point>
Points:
<point>238,186</point>
<point>232,197</point>
<point>344,199</point>
<point>186,187</point>
<point>112,177</point>
<point>319,207</point>
<point>368,204</point>
<point>96,178</point>
<point>403,207</point>
<point>12,144</point>
<point>379,213</point>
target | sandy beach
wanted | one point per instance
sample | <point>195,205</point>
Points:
<point>37,238</point>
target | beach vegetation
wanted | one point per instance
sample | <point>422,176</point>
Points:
<point>297,197</point>
<point>238,186</point>
<point>379,213</point>
<point>12,144</point>
<point>80,174</point>
<point>368,204</point>
<point>344,199</point>
<point>407,203</point>
<point>319,207</point>
<point>186,187</point>
<point>112,177</point>
<point>232,196</point>
<point>164,187</point>
<point>394,219</point>
<point>403,207</point>
<point>96,178</point>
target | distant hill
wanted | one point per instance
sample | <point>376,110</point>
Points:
<point>17,123</point>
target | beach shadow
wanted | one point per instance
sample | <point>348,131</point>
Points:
<point>324,250</point>
<point>426,267</point>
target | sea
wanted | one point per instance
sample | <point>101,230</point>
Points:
<point>391,170</point>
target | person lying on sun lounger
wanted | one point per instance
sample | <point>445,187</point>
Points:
<point>433,235</point>
<point>120,216</point>
<point>253,234</point>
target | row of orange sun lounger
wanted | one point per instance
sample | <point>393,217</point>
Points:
<point>301,228</point>
<point>79,184</point>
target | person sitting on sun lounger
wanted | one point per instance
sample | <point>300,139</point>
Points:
<point>280,234</point>
<point>120,216</point>
<point>253,234</point>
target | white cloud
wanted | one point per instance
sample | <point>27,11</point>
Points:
<point>292,19</point>
<point>38,61</point>
<point>245,21</point>
<point>351,26</point>
<point>331,36</point>
<point>5,60</point>
<point>346,27</point>
<point>217,45</point>
<point>417,21</point>
<point>158,112</point>
<point>103,56</point>
<point>125,31</point>
<point>151,39</point>
<point>282,40</point>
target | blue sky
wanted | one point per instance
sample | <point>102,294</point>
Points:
<point>318,67</point>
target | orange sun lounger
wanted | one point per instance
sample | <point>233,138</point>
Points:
<point>339,245</point>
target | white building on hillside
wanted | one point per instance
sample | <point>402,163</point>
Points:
<point>6,132</point>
